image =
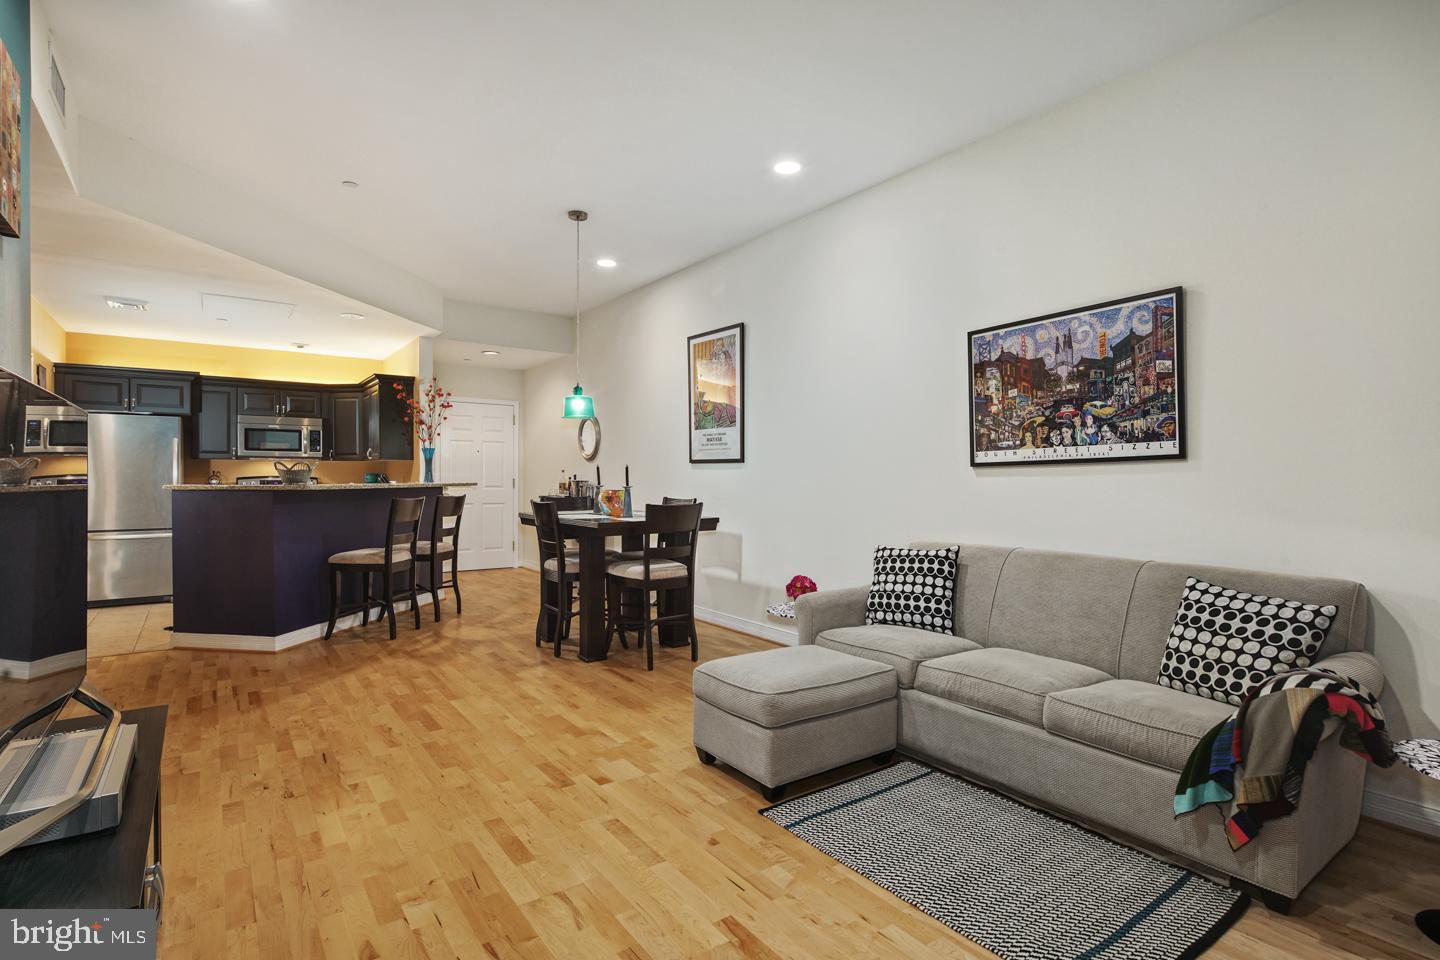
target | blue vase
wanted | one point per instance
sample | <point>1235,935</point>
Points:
<point>429,454</point>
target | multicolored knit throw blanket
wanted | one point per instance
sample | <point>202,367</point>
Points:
<point>1269,741</point>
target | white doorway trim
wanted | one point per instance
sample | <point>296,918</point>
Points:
<point>514,406</point>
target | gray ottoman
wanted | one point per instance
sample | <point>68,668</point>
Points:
<point>785,714</point>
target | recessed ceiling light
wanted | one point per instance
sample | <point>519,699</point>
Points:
<point>788,168</point>
<point>605,263</point>
<point>349,183</point>
<point>489,353</point>
<point>299,346</point>
<point>352,316</point>
<point>123,303</point>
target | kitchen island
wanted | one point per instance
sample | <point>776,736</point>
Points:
<point>250,562</point>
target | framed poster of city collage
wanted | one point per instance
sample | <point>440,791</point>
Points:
<point>1103,382</point>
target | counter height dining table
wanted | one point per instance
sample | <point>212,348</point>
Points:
<point>591,530</point>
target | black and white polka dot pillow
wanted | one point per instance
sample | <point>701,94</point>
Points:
<point>914,588</point>
<point>1226,641</point>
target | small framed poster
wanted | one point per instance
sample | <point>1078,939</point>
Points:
<point>716,401</point>
<point>1103,382</point>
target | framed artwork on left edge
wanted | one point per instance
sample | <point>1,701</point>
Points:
<point>716,401</point>
<point>1097,383</point>
<point>11,117</point>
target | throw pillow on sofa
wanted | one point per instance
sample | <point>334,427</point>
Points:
<point>1226,641</point>
<point>914,588</point>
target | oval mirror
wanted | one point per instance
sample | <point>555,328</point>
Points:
<point>589,437</point>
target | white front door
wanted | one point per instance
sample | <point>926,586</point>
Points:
<point>477,445</point>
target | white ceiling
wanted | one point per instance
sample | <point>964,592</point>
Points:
<point>82,253</point>
<point>472,355</point>
<point>473,125</point>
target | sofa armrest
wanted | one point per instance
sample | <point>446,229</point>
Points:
<point>1358,666</point>
<point>817,612</point>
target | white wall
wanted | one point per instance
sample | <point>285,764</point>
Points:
<point>1285,175</point>
<point>478,382</point>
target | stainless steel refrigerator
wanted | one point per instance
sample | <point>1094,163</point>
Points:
<point>132,456</point>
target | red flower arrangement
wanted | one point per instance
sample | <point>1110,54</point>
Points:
<point>426,411</point>
<point>799,585</point>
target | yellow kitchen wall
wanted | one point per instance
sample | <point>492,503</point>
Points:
<point>250,363</point>
<point>218,361</point>
<point>47,342</point>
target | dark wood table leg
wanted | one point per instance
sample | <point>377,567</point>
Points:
<point>592,598</point>
<point>674,633</point>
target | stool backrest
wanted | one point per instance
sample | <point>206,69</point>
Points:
<point>445,524</point>
<point>403,527</point>
<point>678,538</point>
<point>676,529</point>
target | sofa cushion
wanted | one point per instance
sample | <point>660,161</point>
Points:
<point>776,687</point>
<point>1143,721</point>
<point>914,588</point>
<point>901,647</point>
<point>1225,642</point>
<point>1009,683</point>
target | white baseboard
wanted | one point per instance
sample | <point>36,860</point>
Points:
<point>246,643</point>
<point>765,631</point>
<point>1410,814</point>
<point>31,669</point>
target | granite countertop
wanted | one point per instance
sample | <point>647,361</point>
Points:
<point>310,487</point>
<point>46,488</point>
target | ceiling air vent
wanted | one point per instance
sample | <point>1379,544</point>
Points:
<point>125,303</point>
<point>57,83</point>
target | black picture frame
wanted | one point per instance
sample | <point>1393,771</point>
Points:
<point>739,409</point>
<point>1147,412</point>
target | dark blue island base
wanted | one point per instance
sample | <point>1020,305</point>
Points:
<point>250,563</point>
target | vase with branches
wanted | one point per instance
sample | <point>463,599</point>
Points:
<point>426,411</point>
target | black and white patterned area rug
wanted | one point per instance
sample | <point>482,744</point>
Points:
<point>1019,882</point>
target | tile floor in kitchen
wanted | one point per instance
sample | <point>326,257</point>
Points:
<point>130,629</point>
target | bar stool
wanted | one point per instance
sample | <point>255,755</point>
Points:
<point>395,557</point>
<point>447,535</point>
<point>666,565</point>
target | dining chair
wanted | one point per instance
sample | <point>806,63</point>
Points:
<point>671,535</point>
<point>445,531</point>
<point>635,554</point>
<point>559,574</point>
<point>397,556</point>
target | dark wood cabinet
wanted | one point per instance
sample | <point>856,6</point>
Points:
<point>261,400</point>
<point>366,421</point>
<point>97,392</point>
<point>370,419</point>
<point>152,394</point>
<point>215,423</point>
<point>348,426</point>
<point>389,433</point>
<point>121,390</point>
<point>300,403</point>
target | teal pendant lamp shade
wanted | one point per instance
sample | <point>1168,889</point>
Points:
<point>578,406</point>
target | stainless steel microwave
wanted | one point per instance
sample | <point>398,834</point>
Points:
<point>56,429</point>
<point>279,436</point>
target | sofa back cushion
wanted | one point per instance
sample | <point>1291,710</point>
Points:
<point>1157,594</point>
<point>1066,605</point>
<point>974,585</point>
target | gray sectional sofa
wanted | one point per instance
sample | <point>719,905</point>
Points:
<point>1047,691</point>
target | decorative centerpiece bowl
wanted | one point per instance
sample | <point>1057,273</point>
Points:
<point>297,472</point>
<point>16,473</point>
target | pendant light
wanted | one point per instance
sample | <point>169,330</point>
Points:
<point>578,406</point>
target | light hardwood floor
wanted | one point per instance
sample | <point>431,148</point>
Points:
<point>458,793</point>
